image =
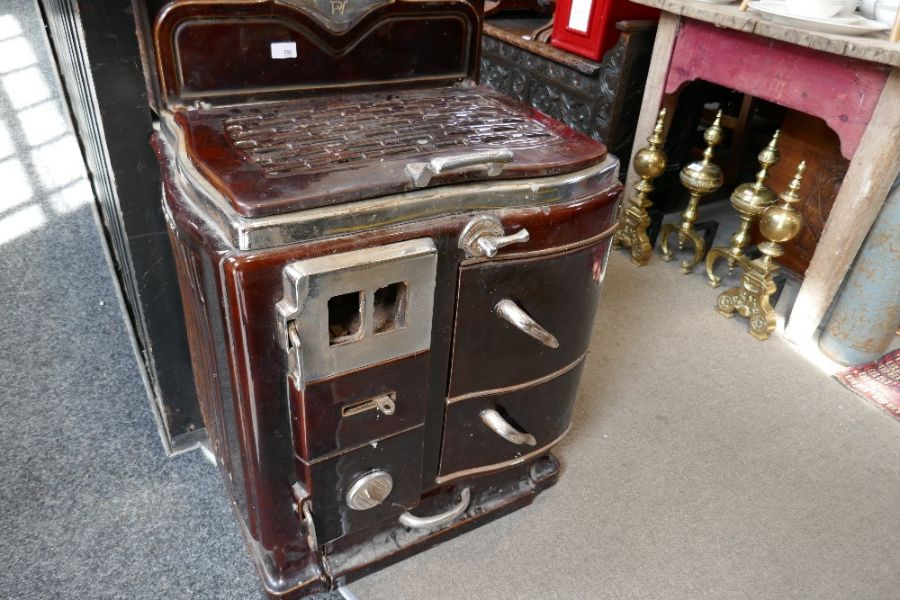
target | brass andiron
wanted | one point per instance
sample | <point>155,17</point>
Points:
<point>700,178</point>
<point>749,200</point>
<point>649,163</point>
<point>778,224</point>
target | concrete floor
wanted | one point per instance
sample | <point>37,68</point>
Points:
<point>702,463</point>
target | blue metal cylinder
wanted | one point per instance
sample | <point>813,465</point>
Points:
<point>867,311</point>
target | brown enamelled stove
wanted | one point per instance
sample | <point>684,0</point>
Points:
<point>389,273</point>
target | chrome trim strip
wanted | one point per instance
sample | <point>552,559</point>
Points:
<point>246,233</point>
<point>546,251</point>
<point>518,386</point>
<point>502,465</point>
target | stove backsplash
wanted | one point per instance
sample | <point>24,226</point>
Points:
<point>241,51</point>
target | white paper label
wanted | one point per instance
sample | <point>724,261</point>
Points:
<point>580,15</point>
<point>284,49</point>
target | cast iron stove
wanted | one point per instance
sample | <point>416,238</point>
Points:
<point>389,273</point>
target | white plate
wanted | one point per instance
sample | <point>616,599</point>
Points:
<point>777,11</point>
<point>717,1</point>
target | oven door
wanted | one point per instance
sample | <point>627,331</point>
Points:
<point>521,333</point>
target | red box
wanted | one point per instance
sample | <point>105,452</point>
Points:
<point>590,29</point>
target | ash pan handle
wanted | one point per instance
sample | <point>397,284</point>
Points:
<point>414,522</point>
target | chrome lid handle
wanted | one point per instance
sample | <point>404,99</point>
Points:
<point>510,312</point>
<point>501,427</point>
<point>492,161</point>
<point>414,522</point>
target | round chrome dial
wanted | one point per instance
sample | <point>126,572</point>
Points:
<point>370,490</point>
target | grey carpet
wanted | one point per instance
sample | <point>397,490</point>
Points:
<point>89,505</point>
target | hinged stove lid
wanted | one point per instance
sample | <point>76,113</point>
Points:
<point>280,157</point>
<point>248,50</point>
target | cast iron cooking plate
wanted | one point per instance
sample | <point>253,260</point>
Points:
<point>271,158</point>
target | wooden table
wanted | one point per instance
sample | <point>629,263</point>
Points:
<point>853,83</point>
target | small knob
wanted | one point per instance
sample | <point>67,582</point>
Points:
<point>484,236</point>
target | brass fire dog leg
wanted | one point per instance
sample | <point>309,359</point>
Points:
<point>700,178</point>
<point>749,200</point>
<point>649,163</point>
<point>778,224</point>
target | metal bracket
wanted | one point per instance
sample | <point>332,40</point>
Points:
<point>295,361</point>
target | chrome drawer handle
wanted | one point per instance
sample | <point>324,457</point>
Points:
<point>414,522</point>
<point>491,160</point>
<point>484,236</point>
<point>510,312</point>
<point>501,427</point>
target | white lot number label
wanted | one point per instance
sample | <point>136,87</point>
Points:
<point>580,14</point>
<point>284,49</point>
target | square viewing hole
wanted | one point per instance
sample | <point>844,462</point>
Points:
<point>345,318</point>
<point>390,308</point>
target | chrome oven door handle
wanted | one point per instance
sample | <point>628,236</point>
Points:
<point>510,312</point>
<point>501,427</point>
<point>492,161</point>
<point>414,522</point>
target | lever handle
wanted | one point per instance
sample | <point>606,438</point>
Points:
<point>489,244</point>
<point>501,427</point>
<point>491,160</point>
<point>484,235</point>
<point>510,312</point>
<point>414,522</point>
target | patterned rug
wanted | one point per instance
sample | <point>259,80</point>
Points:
<point>877,381</point>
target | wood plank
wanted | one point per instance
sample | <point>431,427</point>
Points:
<point>666,34</point>
<point>502,29</point>
<point>875,48</point>
<point>872,171</point>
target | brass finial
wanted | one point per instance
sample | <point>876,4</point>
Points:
<point>749,200</point>
<point>779,223</point>
<point>700,178</point>
<point>649,163</point>
<point>768,158</point>
<point>656,138</point>
<point>713,137</point>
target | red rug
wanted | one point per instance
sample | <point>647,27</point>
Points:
<point>877,381</point>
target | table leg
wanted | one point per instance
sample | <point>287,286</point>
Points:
<point>872,171</point>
